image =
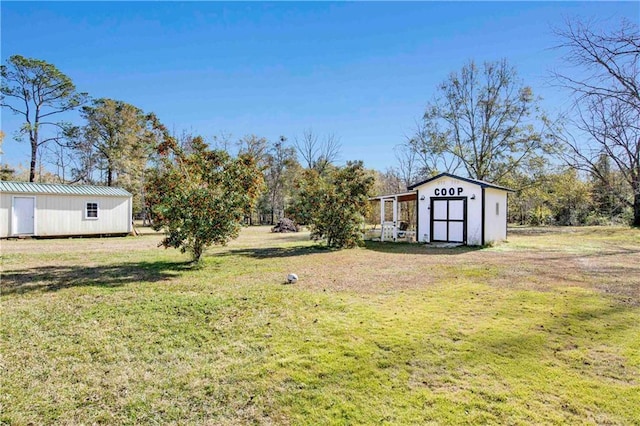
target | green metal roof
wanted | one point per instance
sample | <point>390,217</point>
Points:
<point>55,188</point>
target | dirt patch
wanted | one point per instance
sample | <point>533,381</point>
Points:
<point>603,259</point>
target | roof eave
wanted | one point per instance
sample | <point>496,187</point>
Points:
<point>399,194</point>
<point>474,181</point>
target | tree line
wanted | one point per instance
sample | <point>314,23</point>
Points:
<point>483,122</point>
<point>580,168</point>
<point>117,143</point>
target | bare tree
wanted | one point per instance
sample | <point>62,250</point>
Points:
<point>281,165</point>
<point>429,146</point>
<point>606,109</point>
<point>256,147</point>
<point>317,154</point>
<point>222,141</point>
<point>406,158</point>
<point>308,147</point>
<point>485,118</point>
<point>64,161</point>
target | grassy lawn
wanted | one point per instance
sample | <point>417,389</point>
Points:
<point>542,329</point>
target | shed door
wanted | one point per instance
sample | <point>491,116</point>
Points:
<point>23,215</point>
<point>449,220</point>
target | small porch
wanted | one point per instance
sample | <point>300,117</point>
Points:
<point>398,217</point>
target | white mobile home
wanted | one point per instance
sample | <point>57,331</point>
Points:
<point>51,210</point>
<point>450,209</point>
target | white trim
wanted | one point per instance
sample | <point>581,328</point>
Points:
<point>13,205</point>
<point>130,204</point>
<point>395,218</point>
<point>86,210</point>
<point>391,196</point>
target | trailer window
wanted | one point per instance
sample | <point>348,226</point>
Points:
<point>91,211</point>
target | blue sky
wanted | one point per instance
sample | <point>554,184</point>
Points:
<point>362,71</point>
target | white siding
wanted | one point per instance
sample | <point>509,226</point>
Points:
<point>5,214</point>
<point>495,222</point>
<point>495,219</point>
<point>65,215</point>
<point>474,206</point>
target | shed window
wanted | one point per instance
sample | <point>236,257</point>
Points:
<point>92,211</point>
<point>497,209</point>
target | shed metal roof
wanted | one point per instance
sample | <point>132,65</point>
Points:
<point>54,188</point>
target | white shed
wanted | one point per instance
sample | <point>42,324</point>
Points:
<point>50,210</point>
<point>450,209</point>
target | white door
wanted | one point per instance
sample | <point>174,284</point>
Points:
<point>439,220</point>
<point>456,220</point>
<point>23,215</point>
<point>449,219</point>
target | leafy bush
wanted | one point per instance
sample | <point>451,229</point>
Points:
<point>201,198</point>
<point>334,205</point>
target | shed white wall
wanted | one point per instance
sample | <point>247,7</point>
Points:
<point>5,214</point>
<point>474,207</point>
<point>65,214</point>
<point>495,222</point>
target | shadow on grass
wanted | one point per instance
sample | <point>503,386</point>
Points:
<point>393,248</point>
<point>603,230</point>
<point>53,278</point>
<point>416,248</point>
<point>619,251</point>
<point>275,252</point>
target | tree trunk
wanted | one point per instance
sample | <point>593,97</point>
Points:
<point>197,251</point>
<point>34,154</point>
<point>32,168</point>
<point>636,208</point>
